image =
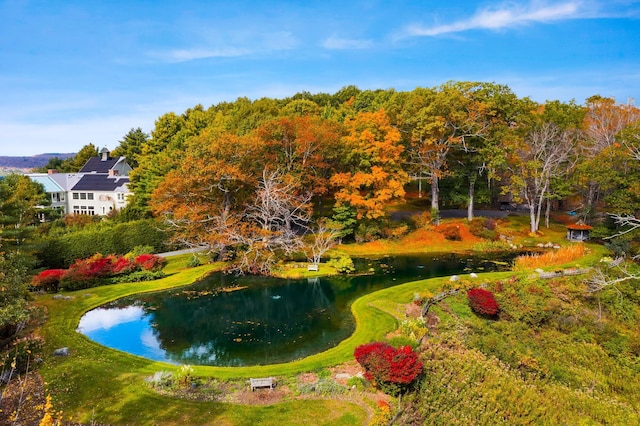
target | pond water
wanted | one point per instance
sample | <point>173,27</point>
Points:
<point>226,320</point>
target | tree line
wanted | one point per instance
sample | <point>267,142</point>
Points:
<point>254,173</point>
<point>249,173</point>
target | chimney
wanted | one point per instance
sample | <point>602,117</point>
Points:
<point>105,154</point>
<point>52,171</point>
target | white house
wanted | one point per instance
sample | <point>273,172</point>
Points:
<point>100,187</point>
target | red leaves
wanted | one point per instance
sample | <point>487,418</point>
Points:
<point>95,268</point>
<point>482,302</point>
<point>385,364</point>
<point>149,262</point>
<point>48,279</point>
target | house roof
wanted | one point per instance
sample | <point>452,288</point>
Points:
<point>98,182</point>
<point>579,227</point>
<point>97,165</point>
<point>65,180</point>
<point>47,182</point>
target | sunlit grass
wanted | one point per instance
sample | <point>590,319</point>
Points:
<point>557,257</point>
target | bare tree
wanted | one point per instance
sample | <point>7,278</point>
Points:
<point>545,154</point>
<point>616,273</point>
<point>627,222</point>
<point>325,237</point>
<point>604,121</point>
<point>274,223</point>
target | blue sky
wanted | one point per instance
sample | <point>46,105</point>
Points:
<point>74,72</point>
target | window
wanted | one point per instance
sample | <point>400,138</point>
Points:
<point>90,196</point>
<point>76,196</point>
<point>83,195</point>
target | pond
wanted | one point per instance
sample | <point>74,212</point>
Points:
<point>227,320</point>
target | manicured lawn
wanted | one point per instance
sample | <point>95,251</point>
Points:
<point>101,385</point>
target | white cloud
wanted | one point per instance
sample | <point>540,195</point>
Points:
<point>185,55</point>
<point>335,43</point>
<point>508,16</point>
<point>245,45</point>
<point>104,319</point>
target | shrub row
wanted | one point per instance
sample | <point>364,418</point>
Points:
<point>95,270</point>
<point>62,250</point>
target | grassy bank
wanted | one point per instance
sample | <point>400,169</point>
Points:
<point>97,384</point>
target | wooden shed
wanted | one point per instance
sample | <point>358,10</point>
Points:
<point>578,231</point>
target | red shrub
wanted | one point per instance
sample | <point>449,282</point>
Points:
<point>388,367</point>
<point>149,262</point>
<point>122,265</point>
<point>96,266</point>
<point>48,279</point>
<point>482,301</point>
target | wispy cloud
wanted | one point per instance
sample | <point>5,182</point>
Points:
<point>335,43</point>
<point>248,44</point>
<point>185,55</point>
<point>507,16</point>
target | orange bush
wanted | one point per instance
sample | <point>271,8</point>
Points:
<point>551,258</point>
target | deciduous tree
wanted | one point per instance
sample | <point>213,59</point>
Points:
<point>372,157</point>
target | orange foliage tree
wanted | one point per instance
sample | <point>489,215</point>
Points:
<point>371,153</point>
<point>304,147</point>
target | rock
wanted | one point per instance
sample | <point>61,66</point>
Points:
<point>346,376</point>
<point>61,352</point>
<point>61,297</point>
<point>473,275</point>
<point>539,271</point>
<point>454,278</point>
<point>556,247</point>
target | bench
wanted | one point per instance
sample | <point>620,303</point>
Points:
<point>312,267</point>
<point>262,383</point>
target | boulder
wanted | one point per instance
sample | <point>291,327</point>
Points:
<point>61,352</point>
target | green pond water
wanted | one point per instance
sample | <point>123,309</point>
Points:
<point>263,321</point>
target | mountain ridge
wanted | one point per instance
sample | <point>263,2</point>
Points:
<point>28,162</point>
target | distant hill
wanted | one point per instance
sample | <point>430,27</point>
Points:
<point>28,163</point>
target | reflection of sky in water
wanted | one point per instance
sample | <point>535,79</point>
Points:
<point>127,329</point>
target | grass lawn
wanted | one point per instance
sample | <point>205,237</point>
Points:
<point>100,385</point>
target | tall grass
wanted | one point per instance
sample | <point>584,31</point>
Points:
<point>552,258</point>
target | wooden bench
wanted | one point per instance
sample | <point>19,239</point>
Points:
<point>312,267</point>
<point>262,383</point>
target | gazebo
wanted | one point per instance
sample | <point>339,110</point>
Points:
<point>578,231</point>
